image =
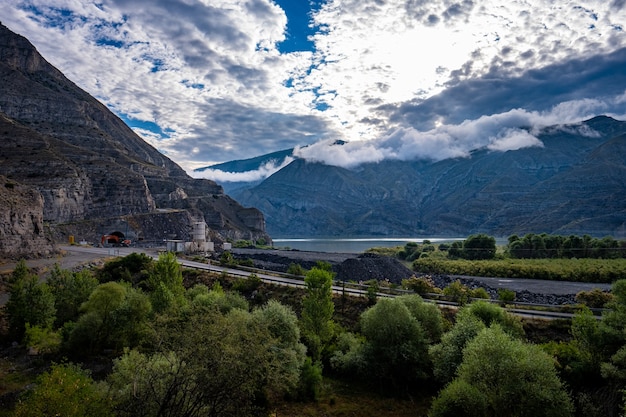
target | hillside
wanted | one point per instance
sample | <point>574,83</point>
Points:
<point>93,173</point>
<point>573,185</point>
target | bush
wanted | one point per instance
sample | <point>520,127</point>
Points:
<point>480,293</point>
<point>227,259</point>
<point>505,295</point>
<point>247,285</point>
<point>502,376</point>
<point>420,285</point>
<point>457,292</point>
<point>595,298</point>
<point>296,269</point>
<point>65,390</point>
<point>310,385</point>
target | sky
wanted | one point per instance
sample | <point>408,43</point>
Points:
<point>210,81</point>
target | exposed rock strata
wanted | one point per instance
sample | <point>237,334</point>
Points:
<point>22,231</point>
<point>91,169</point>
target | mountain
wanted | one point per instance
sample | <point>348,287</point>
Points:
<point>93,174</point>
<point>248,165</point>
<point>575,184</point>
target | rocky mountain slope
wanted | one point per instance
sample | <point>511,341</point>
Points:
<point>91,171</point>
<point>575,184</point>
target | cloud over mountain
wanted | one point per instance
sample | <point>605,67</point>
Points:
<point>207,82</point>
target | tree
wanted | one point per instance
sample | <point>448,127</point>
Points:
<point>133,268</point>
<point>208,364</point>
<point>65,390</point>
<point>427,314</point>
<point>396,344</point>
<point>480,246</point>
<point>470,321</point>
<point>282,323</point>
<point>114,316</point>
<point>70,290</point>
<point>317,310</point>
<point>166,283</point>
<point>29,302</point>
<point>216,298</point>
<point>490,314</point>
<point>448,354</point>
<point>503,376</point>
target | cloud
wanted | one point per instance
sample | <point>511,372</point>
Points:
<point>260,174</point>
<point>508,131</point>
<point>211,79</point>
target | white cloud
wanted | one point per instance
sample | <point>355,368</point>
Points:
<point>209,73</point>
<point>512,130</point>
<point>263,172</point>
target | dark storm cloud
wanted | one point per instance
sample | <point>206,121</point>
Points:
<point>536,90</point>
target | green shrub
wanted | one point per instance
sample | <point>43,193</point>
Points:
<point>247,285</point>
<point>227,259</point>
<point>505,295</point>
<point>457,292</point>
<point>480,293</point>
<point>296,269</point>
<point>421,285</point>
<point>595,298</point>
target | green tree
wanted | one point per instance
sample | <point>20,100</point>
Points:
<point>491,314</point>
<point>114,316</point>
<point>282,323</point>
<point>448,354</point>
<point>470,320</point>
<point>216,298</point>
<point>70,291</point>
<point>457,292</point>
<point>133,268</point>
<point>396,344</point>
<point>29,302</point>
<point>480,246</point>
<point>166,283</point>
<point>427,314</point>
<point>503,376</point>
<point>317,311</point>
<point>208,364</point>
<point>296,269</point>
<point>65,390</point>
<point>456,250</point>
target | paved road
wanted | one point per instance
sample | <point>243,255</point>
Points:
<point>539,286</point>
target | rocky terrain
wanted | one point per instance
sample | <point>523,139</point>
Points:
<point>87,173</point>
<point>574,184</point>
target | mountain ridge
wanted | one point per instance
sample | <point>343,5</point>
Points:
<point>94,174</point>
<point>573,184</point>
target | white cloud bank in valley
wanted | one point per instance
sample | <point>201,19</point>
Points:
<point>260,174</point>
<point>509,131</point>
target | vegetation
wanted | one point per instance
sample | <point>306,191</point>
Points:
<point>581,270</point>
<point>163,344</point>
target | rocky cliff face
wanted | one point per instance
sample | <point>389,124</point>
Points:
<point>21,221</point>
<point>88,166</point>
<point>573,185</point>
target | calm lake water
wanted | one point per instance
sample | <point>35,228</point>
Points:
<point>352,245</point>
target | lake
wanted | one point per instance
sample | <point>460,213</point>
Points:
<point>352,245</point>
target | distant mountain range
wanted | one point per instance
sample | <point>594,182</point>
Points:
<point>575,184</point>
<point>69,166</point>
